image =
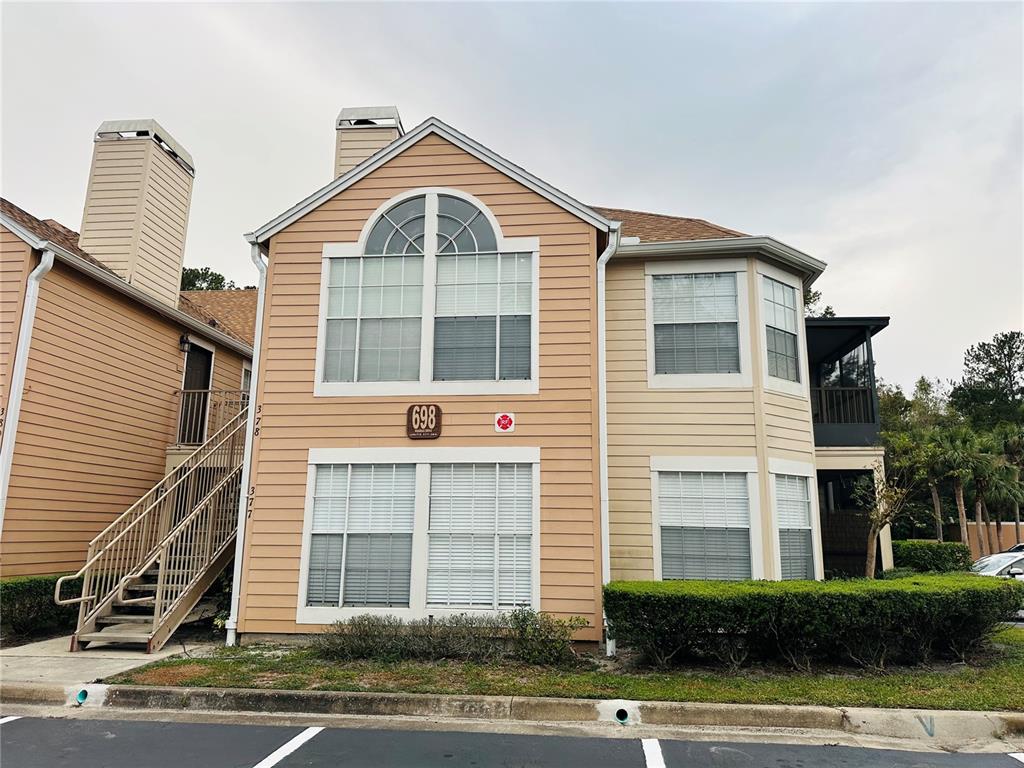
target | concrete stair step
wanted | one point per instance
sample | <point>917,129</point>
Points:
<point>117,633</point>
<point>121,618</point>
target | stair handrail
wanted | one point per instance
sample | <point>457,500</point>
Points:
<point>218,534</point>
<point>174,533</point>
<point>152,498</point>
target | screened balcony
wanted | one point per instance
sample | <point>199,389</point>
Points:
<point>844,401</point>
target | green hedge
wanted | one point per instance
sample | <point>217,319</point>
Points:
<point>27,608</point>
<point>932,556</point>
<point>865,622</point>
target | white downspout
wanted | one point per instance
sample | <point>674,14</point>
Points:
<point>250,426</point>
<point>602,411</point>
<point>17,384</point>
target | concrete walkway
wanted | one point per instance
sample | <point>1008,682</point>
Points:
<point>50,662</point>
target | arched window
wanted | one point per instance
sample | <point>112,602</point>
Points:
<point>430,245</point>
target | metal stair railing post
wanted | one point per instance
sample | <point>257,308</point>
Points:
<point>134,535</point>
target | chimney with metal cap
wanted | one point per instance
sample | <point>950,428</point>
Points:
<point>362,131</point>
<point>136,205</point>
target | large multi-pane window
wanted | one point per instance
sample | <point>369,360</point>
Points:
<point>483,301</point>
<point>793,507</point>
<point>420,537</point>
<point>696,324</point>
<point>482,324</point>
<point>481,519</point>
<point>360,550</point>
<point>704,520</point>
<point>373,320</point>
<point>781,318</point>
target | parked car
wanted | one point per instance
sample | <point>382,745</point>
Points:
<point>1007,564</point>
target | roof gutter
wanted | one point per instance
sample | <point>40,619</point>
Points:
<point>17,385</point>
<point>614,235</point>
<point>119,285</point>
<point>257,256</point>
<point>810,267</point>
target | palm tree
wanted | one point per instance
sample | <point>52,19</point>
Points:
<point>956,449</point>
<point>930,455</point>
<point>1004,491</point>
<point>1011,436</point>
<point>988,464</point>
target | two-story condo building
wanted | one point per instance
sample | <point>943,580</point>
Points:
<point>472,392</point>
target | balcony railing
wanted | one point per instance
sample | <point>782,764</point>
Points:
<point>203,412</point>
<point>842,405</point>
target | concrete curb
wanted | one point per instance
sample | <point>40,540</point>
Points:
<point>937,728</point>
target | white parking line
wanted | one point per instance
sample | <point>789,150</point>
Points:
<point>9,719</point>
<point>287,748</point>
<point>1018,756</point>
<point>652,753</point>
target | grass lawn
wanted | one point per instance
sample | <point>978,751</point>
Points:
<point>994,683</point>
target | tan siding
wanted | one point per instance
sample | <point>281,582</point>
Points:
<point>15,264</point>
<point>645,422</point>
<point>136,214</point>
<point>354,145</point>
<point>98,413</point>
<point>561,418</point>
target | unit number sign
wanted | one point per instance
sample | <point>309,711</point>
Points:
<point>423,422</point>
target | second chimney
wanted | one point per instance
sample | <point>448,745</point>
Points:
<point>136,205</point>
<point>362,131</point>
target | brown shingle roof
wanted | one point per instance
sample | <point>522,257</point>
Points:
<point>231,312</point>
<point>235,311</point>
<point>50,230</point>
<point>656,227</point>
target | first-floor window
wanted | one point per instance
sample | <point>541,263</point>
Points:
<point>481,518</point>
<point>360,550</point>
<point>471,526</point>
<point>704,522</point>
<point>793,506</point>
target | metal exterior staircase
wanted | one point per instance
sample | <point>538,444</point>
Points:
<point>149,568</point>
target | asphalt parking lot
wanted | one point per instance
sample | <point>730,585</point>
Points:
<point>47,743</point>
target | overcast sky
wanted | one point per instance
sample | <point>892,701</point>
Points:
<point>884,139</point>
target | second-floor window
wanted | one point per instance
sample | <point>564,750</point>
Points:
<point>434,299</point>
<point>781,318</point>
<point>696,324</point>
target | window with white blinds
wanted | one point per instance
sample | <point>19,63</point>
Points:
<point>696,323</point>
<point>480,535</point>
<point>781,318</point>
<point>482,308</point>
<point>373,321</point>
<point>360,551</point>
<point>793,508</point>
<point>438,254</point>
<point>704,522</point>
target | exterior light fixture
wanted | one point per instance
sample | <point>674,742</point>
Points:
<point>184,343</point>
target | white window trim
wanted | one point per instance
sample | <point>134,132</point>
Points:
<point>806,470</point>
<point>700,380</point>
<point>246,366</point>
<point>800,388</point>
<point>744,464</point>
<point>422,458</point>
<point>426,385</point>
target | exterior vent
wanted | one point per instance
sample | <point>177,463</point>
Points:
<point>362,131</point>
<point>137,205</point>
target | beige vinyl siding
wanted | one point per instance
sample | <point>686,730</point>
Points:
<point>788,426</point>
<point>645,422</point>
<point>353,145</point>
<point>97,415</point>
<point>113,202</point>
<point>136,214</point>
<point>15,264</point>
<point>561,419</point>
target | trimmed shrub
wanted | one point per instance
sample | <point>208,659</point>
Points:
<point>522,635</point>
<point>931,556</point>
<point>27,608</point>
<point>865,622</point>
